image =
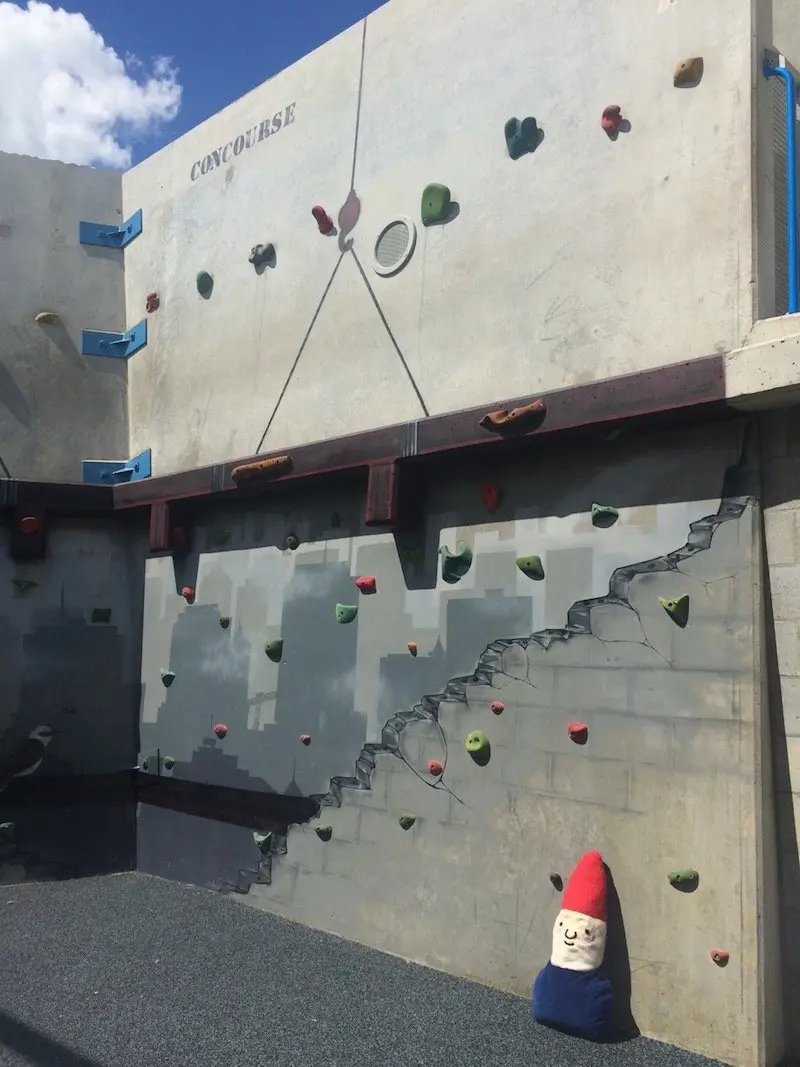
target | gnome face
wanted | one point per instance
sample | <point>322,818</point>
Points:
<point>579,941</point>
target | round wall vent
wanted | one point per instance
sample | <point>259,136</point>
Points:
<point>395,245</point>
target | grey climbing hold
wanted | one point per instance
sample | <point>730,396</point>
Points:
<point>603,515</point>
<point>407,821</point>
<point>324,833</point>
<point>274,650</point>
<point>346,612</point>
<point>531,567</point>
<point>677,608</point>
<point>205,283</point>
<point>167,677</point>
<point>557,880</point>
<point>455,564</point>
<point>291,542</point>
<point>263,841</point>
<point>262,254</point>
<point>224,621</point>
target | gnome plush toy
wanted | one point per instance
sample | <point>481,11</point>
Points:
<point>572,993</point>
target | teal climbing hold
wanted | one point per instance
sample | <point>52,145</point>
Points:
<point>167,677</point>
<point>263,841</point>
<point>677,608</point>
<point>522,137</point>
<point>531,567</point>
<point>435,204</point>
<point>324,833</point>
<point>455,564</point>
<point>603,515</point>
<point>274,650</point>
<point>346,612</point>
<point>205,283</point>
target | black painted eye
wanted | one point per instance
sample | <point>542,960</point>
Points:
<point>588,933</point>
<point>560,923</point>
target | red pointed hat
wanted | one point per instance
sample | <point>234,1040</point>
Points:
<point>586,888</point>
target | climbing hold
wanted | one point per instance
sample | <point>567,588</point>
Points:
<point>436,768</point>
<point>261,254</point>
<point>305,739</point>
<point>220,729</point>
<point>455,564</point>
<point>677,608</point>
<point>144,765</point>
<point>346,612</point>
<point>720,956</point>
<point>46,318</point>
<point>274,467</point>
<point>324,833</point>
<point>336,520</point>
<point>69,710</point>
<point>611,119</point>
<point>478,747</point>
<point>531,567</point>
<point>221,536</point>
<point>168,762</point>
<point>523,419</point>
<point>205,283</point>
<point>367,584</point>
<point>224,621</point>
<point>24,584</point>
<point>578,732</point>
<point>491,496</point>
<point>557,880</point>
<point>167,677</point>
<point>688,73</point>
<point>407,821</point>
<point>101,615</point>
<point>263,841</point>
<point>274,650</point>
<point>435,204</point>
<point>7,831</point>
<point>603,515</point>
<point>29,524</point>
<point>498,707</point>
<point>152,303</point>
<point>685,879</point>
<point>291,542</point>
<point>188,594</point>
<point>412,648</point>
<point>324,221</point>
<point>522,137</point>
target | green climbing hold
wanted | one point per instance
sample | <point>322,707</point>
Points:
<point>478,747</point>
<point>435,204</point>
<point>168,762</point>
<point>224,621</point>
<point>324,833</point>
<point>274,650</point>
<point>455,564</point>
<point>603,515</point>
<point>205,283</point>
<point>221,537</point>
<point>167,677</point>
<point>346,612</point>
<point>101,614</point>
<point>677,608</point>
<point>263,841</point>
<point>531,567</point>
<point>685,879</point>
<point>407,821</point>
<point>522,137</point>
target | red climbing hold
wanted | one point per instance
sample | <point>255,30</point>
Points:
<point>324,221</point>
<point>498,707</point>
<point>720,956</point>
<point>367,584</point>
<point>188,594</point>
<point>412,648</point>
<point>220,729</point>
<point>578,732</point>
<point>436,768</point>
<point>490,495</point>
<point>152,303</point>
<point>29,524</point>
<point>612,118</point>
<point>305,738</point>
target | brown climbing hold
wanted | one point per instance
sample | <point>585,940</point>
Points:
<point>367,584</point>
<point>436,768</point>
<point>220,729</point>
<point>323,219</point>
<point>490,495</point>
<point>152,303</point>
<point>188,594</point>
<point>611,119</point>
<point>528,417</point>
<point>305,739</point>
<point>720,956</point>
<point>498,707</point>
<point>412,648</point>
<point>557,880</point>
<point>274,467</point>
<point>688,73</point>
<point>578,732</point>
<point>29,524</point>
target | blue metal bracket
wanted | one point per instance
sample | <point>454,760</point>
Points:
<point>108,236</point>
<point>117,471</point>
<point>115,345</point>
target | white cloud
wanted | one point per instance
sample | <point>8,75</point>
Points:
<point>65,94</point>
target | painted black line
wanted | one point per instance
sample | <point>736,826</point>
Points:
<point>6,471</point>
<point>299,354</point>
<point>358,105</point>
<point>406,368</point>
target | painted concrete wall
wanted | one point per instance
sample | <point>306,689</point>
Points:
<point>571,264</point>
<point>58,407</point>
<point>667,779</point>
<point>70,646</point>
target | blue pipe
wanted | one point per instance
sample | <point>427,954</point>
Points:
<point>793,300</point>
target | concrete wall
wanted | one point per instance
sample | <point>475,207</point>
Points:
<point>58,407</point>
<point>70,644</point>
<point>571,264</point>
<point>670,777</point>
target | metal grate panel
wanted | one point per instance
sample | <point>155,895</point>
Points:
<point>392,245</point>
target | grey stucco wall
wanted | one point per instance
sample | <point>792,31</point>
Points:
<point>669,777</point>
<point>58,407</point>
<point>561,268</point>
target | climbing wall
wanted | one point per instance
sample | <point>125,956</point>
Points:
<point>445,206</point>
<point>69,694</point>
<point>411,740</point>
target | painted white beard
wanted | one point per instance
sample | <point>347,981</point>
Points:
<point>579,942</point>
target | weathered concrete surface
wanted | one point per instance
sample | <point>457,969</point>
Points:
<point>543,279</point>
<point>58,407</point>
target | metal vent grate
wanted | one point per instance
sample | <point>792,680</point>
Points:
<point>779,148</point>
<point>392,245</point>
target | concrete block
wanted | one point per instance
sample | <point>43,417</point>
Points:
<point>344,820</point>
<point>514,765</point>
<point>628,737</point>
<point>375,826</point>
<point>675,694</point>
<point>281,887</point>
<point>578,688</point>
<point>345,859</point>
<point>304,849</point>
<point>407,793</point>
<point>376,795</point>
<point>713,645</point>
<point>706,745</point>
<point>597,781</point>
<point>787,642</point>
<point>784,583</point>
<point>781,531</point>
<point>775,437</point>
<point>329,901</point>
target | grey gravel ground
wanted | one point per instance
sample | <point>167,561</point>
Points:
<point>132,970</point>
